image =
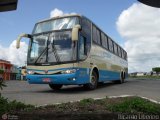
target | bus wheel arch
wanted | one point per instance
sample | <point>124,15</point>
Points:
<point>95,69</point>
<point>94,77</point>
<point>122,77</point>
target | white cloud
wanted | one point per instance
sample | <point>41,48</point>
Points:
<point>56,12</point>
<point>16,56</point>
<point>139,26</point>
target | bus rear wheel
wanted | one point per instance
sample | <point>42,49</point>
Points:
<point>94,82</point>
<point>55,86</point>
<point>122,77</point>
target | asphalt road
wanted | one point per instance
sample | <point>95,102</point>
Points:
<point>42,94</point>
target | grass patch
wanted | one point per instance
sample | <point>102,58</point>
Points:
<point>108,105</point>
<point>130,105</point>
<point>135,105</point>
<point>146,77</point>
<point>85,102</point>
<point>10,106</point>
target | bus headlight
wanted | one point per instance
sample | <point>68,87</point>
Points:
<point>69,71</point>
<point>30,72</point>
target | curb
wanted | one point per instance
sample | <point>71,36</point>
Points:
<point>120,96</point>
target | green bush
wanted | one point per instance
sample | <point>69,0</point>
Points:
<point>6,106</point>
<point>1,80</point>
<point>1,71</point>
<point>2,85</point>
<point>86,101</point>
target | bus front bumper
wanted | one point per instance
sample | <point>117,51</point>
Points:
<point>65,79</point>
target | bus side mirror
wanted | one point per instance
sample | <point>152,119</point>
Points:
<point>75,31</point>
<point>19,39</point>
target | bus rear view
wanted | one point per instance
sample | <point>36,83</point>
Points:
<point>60,53</point>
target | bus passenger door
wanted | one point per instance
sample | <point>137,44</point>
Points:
<point>84,61</point>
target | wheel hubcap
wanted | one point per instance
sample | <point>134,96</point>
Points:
<point>93,80</point>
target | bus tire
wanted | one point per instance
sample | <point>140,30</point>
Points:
<point>55,86</point>
<point>121,80</point>
<point>94,82</point>
<point>122,77</point>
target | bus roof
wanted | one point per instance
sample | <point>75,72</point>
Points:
<point>62,16</point>
<point>78,15</point>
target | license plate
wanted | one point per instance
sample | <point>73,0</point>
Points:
<point>46,80</point>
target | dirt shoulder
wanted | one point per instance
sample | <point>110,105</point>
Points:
<point>108,108</point>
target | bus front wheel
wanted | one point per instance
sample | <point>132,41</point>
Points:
<point>93,83</point>
<point>55,86</point>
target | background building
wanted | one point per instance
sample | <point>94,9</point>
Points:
<point>6,67</point>
<point>14,72</point>
<point>10,71</point>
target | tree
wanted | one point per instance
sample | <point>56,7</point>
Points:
<point>1,71</point>
<point>1,81</point>
<point>2,84</point>
<point>156,69</point>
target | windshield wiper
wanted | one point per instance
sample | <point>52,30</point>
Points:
<point>45,50</point>
<point>41,54</point>
<point>55,52</point>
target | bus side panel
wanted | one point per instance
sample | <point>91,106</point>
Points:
<point>108,64</point>
<point>83,75</point>
<point>105,75</point>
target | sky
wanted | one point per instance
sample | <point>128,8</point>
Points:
<point>131,24</point>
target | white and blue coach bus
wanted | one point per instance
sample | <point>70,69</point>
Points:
<point>72,50</point>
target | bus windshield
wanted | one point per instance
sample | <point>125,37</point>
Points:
<point>55,24</point>
<point>52,48</point>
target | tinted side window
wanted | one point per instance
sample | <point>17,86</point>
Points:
<point>125,55</point>
<point>103,40</point>
<point>119,52</point>
<point>82,48</point>
<point>110,42</point>
<point>115,49</point>
<point>106,42</point>
<point>122,53</point>
<point>96,35</point>
<point>106,38</point>
<point>86,31</point>
<point>86,26</point>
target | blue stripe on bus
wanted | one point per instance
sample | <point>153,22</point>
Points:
<point>81,77</point>
<point>105,75</point>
